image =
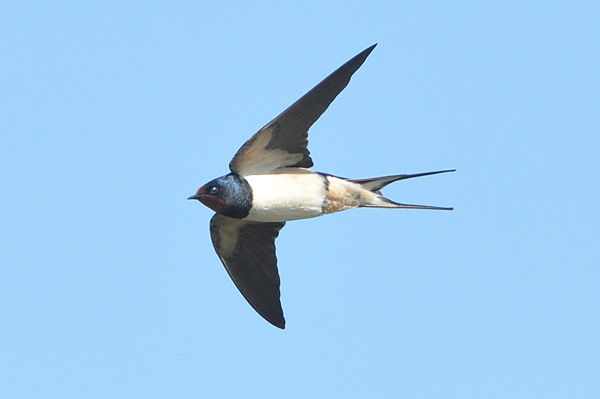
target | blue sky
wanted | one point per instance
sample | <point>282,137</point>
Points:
<point>113,113</point>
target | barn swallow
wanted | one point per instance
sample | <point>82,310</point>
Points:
<point>271,183</point>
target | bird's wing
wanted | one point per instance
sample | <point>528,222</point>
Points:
<point>283,141</point>
<point>247,249</point>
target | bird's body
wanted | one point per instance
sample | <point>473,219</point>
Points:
<point>270,183</point>
<point>288,194</point>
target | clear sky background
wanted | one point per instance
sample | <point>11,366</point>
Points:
<point>113,113</point>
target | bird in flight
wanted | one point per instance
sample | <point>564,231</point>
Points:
<point>271,183</point>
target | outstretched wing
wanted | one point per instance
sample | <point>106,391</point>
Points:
<point>247,249</point>
<point>283,141</point>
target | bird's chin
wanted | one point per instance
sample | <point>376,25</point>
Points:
<point>214,203</point>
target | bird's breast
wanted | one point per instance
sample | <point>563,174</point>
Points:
<point>288,195</point>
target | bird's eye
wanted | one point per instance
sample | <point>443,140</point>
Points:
<point>214,189</point>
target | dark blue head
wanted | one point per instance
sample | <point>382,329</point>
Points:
<point>229,195</point>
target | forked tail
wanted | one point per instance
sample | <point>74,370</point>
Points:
<point>375,185</point>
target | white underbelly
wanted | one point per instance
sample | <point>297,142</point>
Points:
<point>298,194</point>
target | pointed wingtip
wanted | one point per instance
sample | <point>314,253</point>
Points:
<point>281,325</point>
<point>366,52</point>
<point>276,320</point>
<point>354,63</point>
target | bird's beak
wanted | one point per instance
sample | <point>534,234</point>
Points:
<point>194,197</point>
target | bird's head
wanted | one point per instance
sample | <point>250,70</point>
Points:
<point>229,195</point>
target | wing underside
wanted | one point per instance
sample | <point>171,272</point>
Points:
<point>283,142</point>
<point>247,250</point>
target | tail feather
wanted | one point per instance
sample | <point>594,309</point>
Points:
<point>375,184</point>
